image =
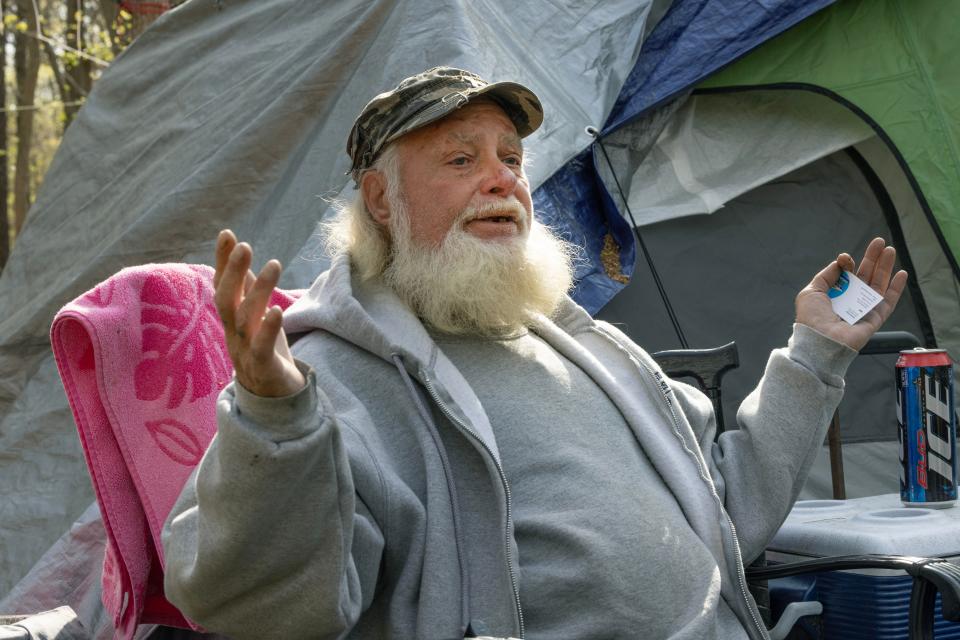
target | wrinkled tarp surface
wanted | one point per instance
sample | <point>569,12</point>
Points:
<point>69,573</point>
<point>57,624</point>
<point>234,113</point>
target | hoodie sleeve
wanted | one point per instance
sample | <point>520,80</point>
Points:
<point>760,468</point>
<point>268,537</point>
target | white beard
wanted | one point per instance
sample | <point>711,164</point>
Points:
<point>476,286</point>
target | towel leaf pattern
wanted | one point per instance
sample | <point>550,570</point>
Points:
<point>176,440</point>
<point>102,295</point>
<point>182,341</point>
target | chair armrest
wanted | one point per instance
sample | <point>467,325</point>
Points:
<point>706,366</point>
<point>945,576</point>
<point>930,575</point>
<point>890,342</point>
<point>910,564</point>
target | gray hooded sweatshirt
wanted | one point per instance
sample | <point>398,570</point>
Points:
<point>373,503</point>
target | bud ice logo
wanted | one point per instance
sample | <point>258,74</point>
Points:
<point>936,414</point>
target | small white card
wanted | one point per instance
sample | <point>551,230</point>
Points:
<point>852,298</point>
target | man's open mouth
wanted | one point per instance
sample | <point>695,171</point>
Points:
<point>497,221</point>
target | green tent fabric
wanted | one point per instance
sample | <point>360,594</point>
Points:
<point>894,60</point>
<point>893,63</point>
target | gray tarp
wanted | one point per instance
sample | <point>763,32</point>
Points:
<point>230,113</point>
<point>58,624</point>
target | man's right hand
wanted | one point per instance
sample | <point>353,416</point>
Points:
<point>254,334</point>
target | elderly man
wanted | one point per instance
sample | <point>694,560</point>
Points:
<point>458,448</point>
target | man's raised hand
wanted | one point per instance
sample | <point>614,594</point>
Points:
<point>254,334</point>
<point>813,303</point>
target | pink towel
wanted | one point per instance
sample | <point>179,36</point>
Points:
<point>142,358</point>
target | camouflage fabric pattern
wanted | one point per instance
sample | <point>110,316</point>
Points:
<point>427,97</point>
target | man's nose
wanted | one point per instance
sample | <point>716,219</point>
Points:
<point>499,179</point>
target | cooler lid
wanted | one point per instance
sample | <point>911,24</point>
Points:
<point>876,524</point>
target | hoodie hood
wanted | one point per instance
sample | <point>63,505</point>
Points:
<point>368,315</point>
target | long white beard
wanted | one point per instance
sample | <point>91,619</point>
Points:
<point>476,286</point>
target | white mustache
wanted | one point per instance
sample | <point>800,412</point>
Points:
<point>509,207</point>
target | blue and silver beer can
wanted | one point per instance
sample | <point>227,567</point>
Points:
<point>927,428</point>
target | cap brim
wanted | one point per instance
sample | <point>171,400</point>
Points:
<point>521,104</point>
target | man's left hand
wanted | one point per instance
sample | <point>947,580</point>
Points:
<point>813,303</point>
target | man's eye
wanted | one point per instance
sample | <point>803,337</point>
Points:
<point>460,161</point>
<point>513,160</point>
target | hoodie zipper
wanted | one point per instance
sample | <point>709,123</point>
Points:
<point>428,383</point>
<point>665,392</point>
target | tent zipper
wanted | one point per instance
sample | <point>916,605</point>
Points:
<point>665,392</point>
<point>428,383</point>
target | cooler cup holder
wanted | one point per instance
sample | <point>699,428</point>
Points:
<point>897,516</point>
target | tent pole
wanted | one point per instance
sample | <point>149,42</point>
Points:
<point>643,247</point>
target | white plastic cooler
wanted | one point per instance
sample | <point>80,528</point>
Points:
<point>868,604</point>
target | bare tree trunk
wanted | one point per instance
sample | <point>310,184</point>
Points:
<point>72,74</point>
<point>27,65</point>
<point>58,74</point>
<point>4,165</point>
<point>78,79</point>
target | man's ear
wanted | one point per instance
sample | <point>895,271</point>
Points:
<point>373,186</point>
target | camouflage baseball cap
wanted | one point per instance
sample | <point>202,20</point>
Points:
<point>427,97</point>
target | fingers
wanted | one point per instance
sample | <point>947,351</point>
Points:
<point>828,276</point>
<point>226,241</point>
<point>845,262</point>
<point>258,348</point>
<point>895,290</point>
<point>892,295</point>
<point>241,298</point>
<point>869,262</point>
<point>877,265</point>
<point>248,280</point>
<point>251,311</point>
<point>264,340</point>
<point>880,280</point>
<point>229,292</point>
